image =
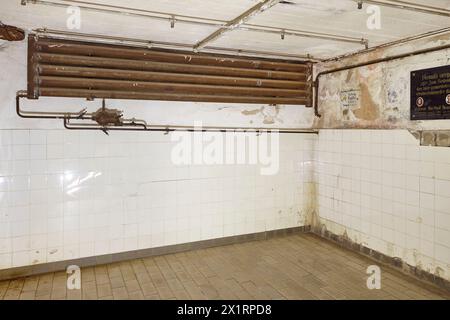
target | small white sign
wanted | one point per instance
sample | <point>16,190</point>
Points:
<point>350,99</point>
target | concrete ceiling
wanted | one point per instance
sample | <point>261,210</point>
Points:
<point>339,17</point>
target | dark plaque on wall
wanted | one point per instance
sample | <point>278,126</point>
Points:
<point>430,94</point>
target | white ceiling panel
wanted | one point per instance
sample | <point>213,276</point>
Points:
<point>210,9</point>
<point>434,3</point>
<point>343,18</point>
<point>339,17</point>
<point>249,40</point>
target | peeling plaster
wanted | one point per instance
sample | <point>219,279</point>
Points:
<point>385,89</point>
<point>369,109</point>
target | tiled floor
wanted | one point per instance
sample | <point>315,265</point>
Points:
<point>300,266</point>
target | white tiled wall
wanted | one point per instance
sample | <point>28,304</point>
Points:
<point>70,194</point>
<point>384,190</point>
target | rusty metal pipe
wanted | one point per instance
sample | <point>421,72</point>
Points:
<point>55,46</point>
<point>164,87</point>
<point>167,129</point>
<point>136,124</point>
<point>134,95</point>
<point>47,115</point>
<point>74,69</point>
<point>141,65</point>
<point>140,43</point>
<point>134,75</point>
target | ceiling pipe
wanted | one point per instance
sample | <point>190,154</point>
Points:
<point>106,8</point>
<point>173,18</point>
<point>392,43</point>
<point>304,34</point>
<point>166,45</point>
<point>237,22</point>
<point>405,5</point>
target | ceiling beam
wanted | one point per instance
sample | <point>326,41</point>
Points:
<point>236,22</point>
<point>406,5</point>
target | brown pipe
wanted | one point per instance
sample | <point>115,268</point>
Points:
<point>76,60</point>
<point>133,95</point>
<point>76,69</point>
<point>164,87</point>
<point>47,115</point>
<point>109,51</point>
<point>368,63</point>
<point>134,75</point>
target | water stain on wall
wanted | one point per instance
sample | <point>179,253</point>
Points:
<point>252,112</point>
<point>369,109</point>
<point>270,114</point>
